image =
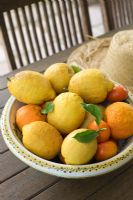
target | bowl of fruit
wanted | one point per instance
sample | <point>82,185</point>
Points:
<point>69,122</point>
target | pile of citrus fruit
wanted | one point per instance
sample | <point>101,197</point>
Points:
<point>76,115</point>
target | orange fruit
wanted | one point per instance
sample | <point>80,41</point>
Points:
<point>119,93</point>
<point>119,117</point>
<point>106,150</point>
<point>103,135</point>
<point>27,114</point>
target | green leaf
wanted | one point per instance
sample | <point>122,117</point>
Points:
<point>86,136</point>
<point>75,68</point>
<point>94,110</point>
<point>48,107</point>
<point>8,78</point>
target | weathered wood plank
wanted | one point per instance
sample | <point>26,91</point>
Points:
<point>79,189</point>
<point>4,95</point>
<point>39,66</point>
<point>26,184</point>
<point>3,146</point>
<point>10,166</point>
<point>119,188</point>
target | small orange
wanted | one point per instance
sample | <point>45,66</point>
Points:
<point>106,150</point>
<point>103,135</point>
<point>27,114</point>
<point>119,93</point>
<point>119,117</point>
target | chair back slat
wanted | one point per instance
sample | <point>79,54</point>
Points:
<point>46,17</point>
<point>78,21</point>
<point>121,12</point>
<point>74,32</point>
<point>54,25</point>
<point>28,34</point>
<point>30,11</point>
<point>66,21</point>
<point>62,28</point>
<point>86,24</point>
<point>14,38</point>
<point>39,28</point>
<point>7,42</point>
<point>129,8</point>
<point>42,32</point>
<point>22,35</point>
<point>117,13</point>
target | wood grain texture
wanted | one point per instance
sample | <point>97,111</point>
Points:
<point>14,37</point>
<point>116,14</point>
<point>21,33</point>
<point>25,185</point>
<point>3,146</point>
<point>28,33</point>
<point>46,16</point>
<point>34,31</point>
<point>7,41</point>
<point>79,189</point>
<point>10,166</point>
<point>39,28</point>
<point>4,95</point>
<point>66,20</point>
<point>42,31</point>
<point>119,188</point>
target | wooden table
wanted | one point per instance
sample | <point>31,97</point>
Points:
<point>20,182</point>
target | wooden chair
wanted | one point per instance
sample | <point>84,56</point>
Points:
<point>35,29</point>
<point>116,13</point>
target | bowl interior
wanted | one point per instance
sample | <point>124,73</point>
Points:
<point>123,144</point>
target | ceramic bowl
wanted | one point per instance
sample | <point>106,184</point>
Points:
<point>61,170</point>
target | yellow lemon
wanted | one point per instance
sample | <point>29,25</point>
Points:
<point>77,153</point>
<point>59,75</point>
<point>31,87</point>
<point>68,113</point>
<point>91,84</point>
<point>42,139</point>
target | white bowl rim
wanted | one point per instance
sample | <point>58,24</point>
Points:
<point>57,169</point>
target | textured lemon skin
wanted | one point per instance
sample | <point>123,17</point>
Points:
<point>31,87</point>
<point>68,113</point>
<point>59,75</point>
<point>91,84</point>
<point>75,152</point>
<point>42,139</point>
